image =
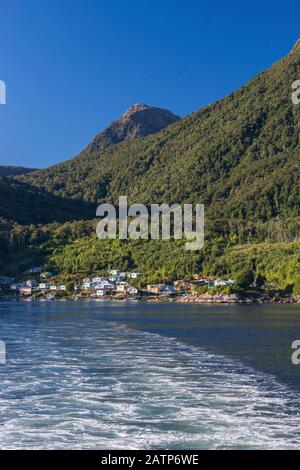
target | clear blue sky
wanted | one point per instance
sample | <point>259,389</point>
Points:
<point>72,66</point>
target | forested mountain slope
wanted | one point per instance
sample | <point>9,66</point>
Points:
<point>26,204</point>
<point>239,156</point>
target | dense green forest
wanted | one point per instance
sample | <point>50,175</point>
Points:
<point>24,204</point>
<point>73,248</point>
<point>239,157</point>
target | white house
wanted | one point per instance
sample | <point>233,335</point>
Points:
<point>223,283</point>
<point>97,285</point>
<point>113,272</point>
<point>44,286</point>
<point>122,287</point>
<point>87,285</point>
<point>63,288</point>
<point>219,283</point>
<point>132,290</point>
<point>106,285</point>
<point>135,275</point>
<point>101,292</point>
<point>115,278</point>
<point>99,279</point>
<point>53,287</point>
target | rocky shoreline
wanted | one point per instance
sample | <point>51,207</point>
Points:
<point>235,299</point>
<point>183,299</point>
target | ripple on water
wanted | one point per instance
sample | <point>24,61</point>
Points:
<point>121,389</point>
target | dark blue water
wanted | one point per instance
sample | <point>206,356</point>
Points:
<point>106,375</point>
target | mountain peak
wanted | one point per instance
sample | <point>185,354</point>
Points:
<point>138,121</point>
<point>137,107</point>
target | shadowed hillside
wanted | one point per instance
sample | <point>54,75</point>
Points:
<point>14,170</point>
<point>26,204</point>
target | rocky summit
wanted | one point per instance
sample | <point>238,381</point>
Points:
<point>138,121</point>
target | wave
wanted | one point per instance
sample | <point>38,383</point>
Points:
<point>118,388</point>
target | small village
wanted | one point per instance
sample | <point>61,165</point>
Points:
<point>37,284</point>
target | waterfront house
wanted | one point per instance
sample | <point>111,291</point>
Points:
<point>181,286</point>
<point>25,291</point>
<point>132,290</point>
<point>98,281</point>
<point>122,287</point>
<point>53,287</point>
<point>107,285</point>
<point>155,288</point>
<point>223,283</point>
<point>87,285</point>
<point>169,290</point>
<point>97,285</point>
<point>192,285</point>
<point>101,292</point>
<point>62,288</point>
<point>44,286</point>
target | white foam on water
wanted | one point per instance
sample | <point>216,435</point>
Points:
<point>126,389</point>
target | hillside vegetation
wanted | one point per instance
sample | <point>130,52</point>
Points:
<point>27,204</point>
<point>74,249</point>
<point>239,156</point>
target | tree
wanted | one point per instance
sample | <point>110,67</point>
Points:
<point>244,279</point>
<point>260,281</point>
